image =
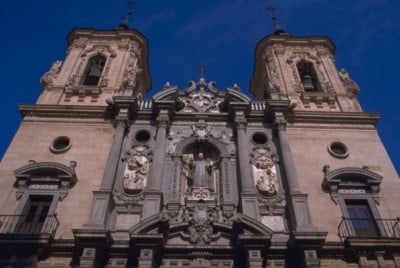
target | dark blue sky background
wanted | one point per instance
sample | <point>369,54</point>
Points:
<point>218,34</point>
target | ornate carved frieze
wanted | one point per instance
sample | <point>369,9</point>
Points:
<point>201,97</point>
<point>200,229</point>
<point>201,132</point>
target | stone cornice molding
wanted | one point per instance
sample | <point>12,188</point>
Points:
<point>44,177</point>
<point>351,178</point>
<point>334,117</point>
<point>65,111</point>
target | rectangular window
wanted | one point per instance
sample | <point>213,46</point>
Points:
<point>360,218</point>
<point>34,215</point>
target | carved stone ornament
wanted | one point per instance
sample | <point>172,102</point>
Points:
<point>201,97</point>
<point>351,87</point>
<point>136,173</point>
<point>200,219</point>
<point>265,176</point>
<point>50,76</point>
<point>201,132</point>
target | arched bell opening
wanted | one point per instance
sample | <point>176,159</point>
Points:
<point>94,69</point>
<point>309,78</point>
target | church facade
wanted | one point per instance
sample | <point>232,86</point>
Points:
<point>99,176</point>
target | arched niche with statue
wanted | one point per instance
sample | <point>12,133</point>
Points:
<point>203,167</point>
<point>200,172</point>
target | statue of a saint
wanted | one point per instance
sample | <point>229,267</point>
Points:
<point>202,172</point>
<point>198,172</point>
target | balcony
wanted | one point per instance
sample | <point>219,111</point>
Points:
<point>381,229</point>
<point>28,226</point>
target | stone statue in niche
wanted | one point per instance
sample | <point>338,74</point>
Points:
<point>136,172</point>
<point>265,176</point>
<point>198,172</point>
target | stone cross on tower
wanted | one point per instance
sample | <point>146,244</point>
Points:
<point>278,29</point>
<point>130,4</point>
<point>202,71</point>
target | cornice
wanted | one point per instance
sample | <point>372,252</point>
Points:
<point>334,117</point>
<point>65,111</point>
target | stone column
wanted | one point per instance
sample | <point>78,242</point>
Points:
<point>287,157</point>
<point>153,195</point>
<point>102,199</point>
<point>244,162</point>
<point>248,194</point>
<point>298,205</point>
<point>155,180</point>
<point>112,161</point>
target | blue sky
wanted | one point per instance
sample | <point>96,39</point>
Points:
<point>218,34</point>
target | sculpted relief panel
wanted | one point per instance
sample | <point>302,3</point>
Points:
<point>136,172</point>
<point>265,177</point>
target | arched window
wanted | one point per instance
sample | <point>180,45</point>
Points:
<point>93,71</point>
<point>308,76</point>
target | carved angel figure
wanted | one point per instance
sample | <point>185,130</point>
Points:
<point>136,172</point>
<point>48,78</point>
<point>351,86</point>
<point>265,176</point>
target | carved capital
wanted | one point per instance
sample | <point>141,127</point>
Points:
<point>163,119</point>
<point>280,121</point>
<point>280,125</point>
<point>121,122</point>
<point>162,123</point>
<point>240,120</point>
<point>240,125</point>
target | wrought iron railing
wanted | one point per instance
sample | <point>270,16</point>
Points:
<point>28,224</point>
<point>369,228</point>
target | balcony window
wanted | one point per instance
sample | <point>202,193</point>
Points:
<point>360,218</point>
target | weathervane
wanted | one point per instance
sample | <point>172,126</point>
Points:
<point>130,5</point>
<point>277,27</point>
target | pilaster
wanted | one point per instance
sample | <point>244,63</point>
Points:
<point>102,200</point>
<point>153,197</point>
<point>248,194</point>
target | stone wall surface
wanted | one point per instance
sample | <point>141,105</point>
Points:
<point>309,147</point>
<point>90,147</point>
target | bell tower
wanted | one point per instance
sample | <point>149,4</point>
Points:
<point>302,69</point>
<point>99,64</point>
